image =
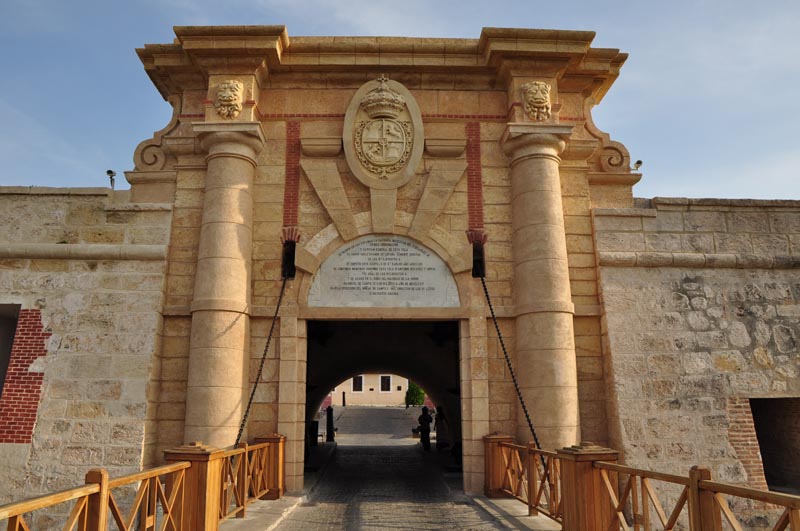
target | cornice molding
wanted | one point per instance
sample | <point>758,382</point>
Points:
<point>201,51</point>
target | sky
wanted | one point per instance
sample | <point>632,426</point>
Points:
<point>708,98</point>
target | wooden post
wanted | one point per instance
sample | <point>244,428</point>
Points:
<point>243,481</point>
<point>201,484</point>
<point>533,478</point>
<point>97,510</point>
<point>704,514</point>
<point>277,469</point>
<point>584,499</point>
<point>495,467</point>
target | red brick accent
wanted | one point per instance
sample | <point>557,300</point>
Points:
<point>742,436</point>
<point>22,389</point>
<point>474,176</point>
<point>291,191</point>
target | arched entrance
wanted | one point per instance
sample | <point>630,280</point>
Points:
<point>426,352</point>
<point>417,317</point>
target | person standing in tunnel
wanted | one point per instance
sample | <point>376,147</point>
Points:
<point>442,429</point>
<point>425,421</point>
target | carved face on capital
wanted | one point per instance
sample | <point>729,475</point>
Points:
<point>536,96</point>
<point>230,94</point>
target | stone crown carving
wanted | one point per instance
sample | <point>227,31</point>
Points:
<point>383,102</point>
<point>536,97</point>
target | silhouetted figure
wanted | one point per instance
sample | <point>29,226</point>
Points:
<point>442,429</point>
<point>425,421</point>
<point>329,429</point>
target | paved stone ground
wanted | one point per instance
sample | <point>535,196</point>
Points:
<point>380,479</point>
<point>375,426</point>
<point>381,488</point>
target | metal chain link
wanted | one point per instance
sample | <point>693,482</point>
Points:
<point>261,366</point>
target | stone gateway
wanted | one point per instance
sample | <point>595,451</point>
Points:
<point>132,321</point>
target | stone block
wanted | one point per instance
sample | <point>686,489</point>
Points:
<point>770,244</point>
<point>617,241</point>
<point>666,242</point>
<point>90,432</point>
<point>617,223</point>
<point>785,222</point>
<point>665,221</point>
<point>85,410</point>
<point>578,225</point>
<point>82,455</point>
<point>697,243</point>
<point>751,222</point>
<point>733,243</point>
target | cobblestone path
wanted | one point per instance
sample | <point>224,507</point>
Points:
<point>387,488</point>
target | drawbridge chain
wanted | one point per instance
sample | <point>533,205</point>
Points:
<point>478,239</point>
<point>261,366</point>
<point>287,273</point>
<point>510,367</point>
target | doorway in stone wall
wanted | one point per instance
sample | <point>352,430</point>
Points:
<point>376,451</point>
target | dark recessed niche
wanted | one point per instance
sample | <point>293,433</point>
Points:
<point>777,424</point>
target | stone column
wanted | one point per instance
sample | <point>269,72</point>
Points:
<point>220,335</point>
<point>545,344</point>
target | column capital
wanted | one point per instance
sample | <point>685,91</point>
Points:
<point>237,139</point>
<point>522,141</point>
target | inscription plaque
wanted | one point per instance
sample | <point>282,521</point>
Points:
<point>386,272</point>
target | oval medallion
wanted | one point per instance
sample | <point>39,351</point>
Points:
<point>383,136</point>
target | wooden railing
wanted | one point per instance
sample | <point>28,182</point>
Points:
<point>161,487</point>
<point>786,506</point>
<point>531,476</point>
<point>232,496</point>
<point>640,497</point>
<point>584,489</point>
<point>197,489</point>
<point>245,478</point>
<point>258,468</point>
<point>158,487</point>
<point>86,500</point>
<point>701,503</point>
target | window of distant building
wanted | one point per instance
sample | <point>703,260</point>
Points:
<point>386,383</point>
<point>9,313</point>
<point>777,423</point>
<point>358,383</point>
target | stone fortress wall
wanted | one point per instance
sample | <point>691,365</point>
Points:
<point>87,269</point>
<point>701,301</point>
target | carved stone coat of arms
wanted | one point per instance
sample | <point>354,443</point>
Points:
<point>383,136</point>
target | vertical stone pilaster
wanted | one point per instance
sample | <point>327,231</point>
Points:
<point>545,344</point>
<point>218,351</point>
<point>474,400</point>
<point>292,397</point>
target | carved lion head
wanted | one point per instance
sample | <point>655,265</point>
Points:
<point>536,96</point>
<point>230,94</point>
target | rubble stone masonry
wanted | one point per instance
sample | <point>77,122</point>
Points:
<point>701,312</point>
<point>84,267</point>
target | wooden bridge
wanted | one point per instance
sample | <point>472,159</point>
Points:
<point>582,488</point>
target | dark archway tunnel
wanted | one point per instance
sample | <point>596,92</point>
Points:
<point>426,352</point>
